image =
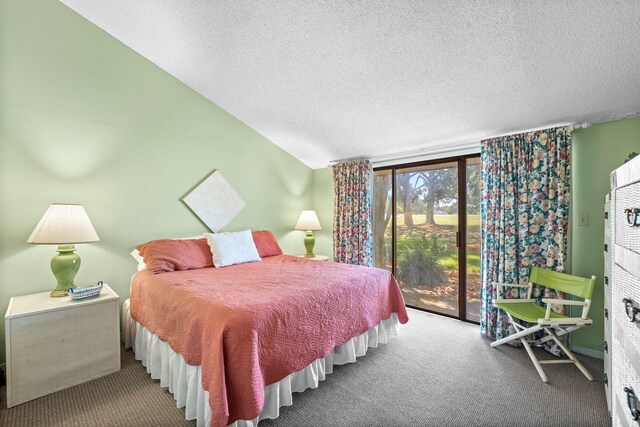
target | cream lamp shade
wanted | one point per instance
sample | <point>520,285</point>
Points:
<point>308,221</point>
<point>64,225</point>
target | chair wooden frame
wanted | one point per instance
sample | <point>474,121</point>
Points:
<point>554,325</point>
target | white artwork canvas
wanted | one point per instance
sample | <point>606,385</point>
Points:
<point>214,201</point>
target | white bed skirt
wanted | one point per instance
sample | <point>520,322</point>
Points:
<point>184,381</point>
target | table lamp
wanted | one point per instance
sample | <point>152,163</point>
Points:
<point>308,222</point>
<point>64,225</point>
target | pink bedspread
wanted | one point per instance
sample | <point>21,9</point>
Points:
<point>253,324</point>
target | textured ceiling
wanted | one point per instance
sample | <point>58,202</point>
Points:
<point>330,80</point>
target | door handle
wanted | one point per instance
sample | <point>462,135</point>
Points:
<point>633,403</point>
<point>631,310</point>
<point>632,216</point>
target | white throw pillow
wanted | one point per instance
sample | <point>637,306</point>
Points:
<point>136,255</point>
<point>232,248</point>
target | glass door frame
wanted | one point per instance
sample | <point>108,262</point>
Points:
<point>461,236</point>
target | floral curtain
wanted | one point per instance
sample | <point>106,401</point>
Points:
<point>352,218</point>
<point>524,209</point>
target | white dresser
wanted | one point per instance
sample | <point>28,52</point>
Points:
<point>55,343</point>
<point>624,283</point>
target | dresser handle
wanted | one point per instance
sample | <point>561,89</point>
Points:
<point>606,247</point>
<point>606,379</point>
<point>633,216</point>
<point>606,280</point>
<point>606,347</point>
<point>606,313</point>
<point>632,312</point>
<point>634,404</point>
<point>606,215</point>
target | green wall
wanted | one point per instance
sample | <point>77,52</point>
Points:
<point>83,119</point>
<point>596,152</point>
<point>323,204</point>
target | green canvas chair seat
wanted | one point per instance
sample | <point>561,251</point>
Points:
<point>529,312</point>
<point>543,318</point>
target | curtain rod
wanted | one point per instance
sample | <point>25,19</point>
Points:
<point>407,154</point>
<point>444,148</point>
<point>433,150</point>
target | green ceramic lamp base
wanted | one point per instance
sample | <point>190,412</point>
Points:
<point>309,243</point>
<point>64,266</point>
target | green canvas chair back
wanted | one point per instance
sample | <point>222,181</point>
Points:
<point>574,285</point>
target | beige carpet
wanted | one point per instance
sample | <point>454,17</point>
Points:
<point>128,397</point>
<point>438,372</point>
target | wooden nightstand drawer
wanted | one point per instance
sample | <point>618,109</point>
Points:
<point>55,343</point>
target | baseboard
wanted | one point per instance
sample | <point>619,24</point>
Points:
<point>588,351</point>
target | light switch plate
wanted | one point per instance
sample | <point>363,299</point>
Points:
<point>583,219</point>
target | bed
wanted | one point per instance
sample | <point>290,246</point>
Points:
<point>233,343</point>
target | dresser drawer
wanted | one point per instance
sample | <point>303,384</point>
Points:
<point>626,343</point>
<point>627,214</point>
<point>625,332</point>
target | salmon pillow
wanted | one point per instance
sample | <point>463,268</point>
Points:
<point>166,255</point>
<point>266,243</point>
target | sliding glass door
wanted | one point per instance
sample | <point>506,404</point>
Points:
<point>426,236</point>
<point>426,231</point>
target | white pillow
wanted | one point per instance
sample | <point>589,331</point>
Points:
<point>232,248</point>
<point>136,255</point>
<point>141,264</point>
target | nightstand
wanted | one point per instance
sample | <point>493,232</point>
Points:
<point>55,343</point>
<point>316,258</point>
